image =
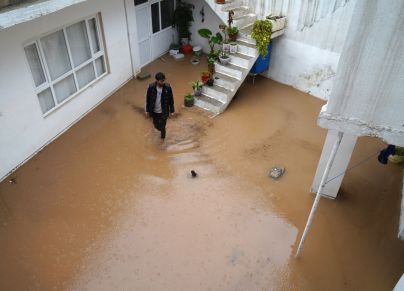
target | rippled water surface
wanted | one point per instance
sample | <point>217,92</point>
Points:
<point>109,206</point>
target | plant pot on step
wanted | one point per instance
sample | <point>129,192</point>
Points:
<point>188,100</point>
<point>233,33</point>
<point>205,77</point>
<point>226,47</point>
<point>210,82</point>
<point>197,87</point>
<point>233,47</point>
<point>224,59</point>
<point>220,1</point>
<point>211,68</point>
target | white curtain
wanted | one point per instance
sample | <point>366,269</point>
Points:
<point>78,43</point>
<point>56,55</point>
<point>85,75</point>
<point>307,11</point>
<point>94,35</point>
<point>46,101</point>
<point>35,64</point>
<point>65,88</point>
<point>99,65</point>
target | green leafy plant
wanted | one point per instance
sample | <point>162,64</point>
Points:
<point>182,18</point>
<point>261,32</point>
<point>224,54</point>
<point>232,32</point>
<point>197,85</point>
<point>188,100</point>
<point>212,39</point>
<point>223,28</point>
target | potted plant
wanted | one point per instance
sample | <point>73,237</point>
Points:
<point>212,39</point>
<point>233,33</point>
<point>188,100</point>
<point>225,44</point>
<point>233,47</point>
<point>197,87</point>
<point>224,58</point>
<point>182,19</point>
<point>211,65</point>
<point>278,22</point>
<point>205,77</point>
<point>210,81</point>
<point>261,32</point>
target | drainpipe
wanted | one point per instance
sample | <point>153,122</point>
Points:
<point>318,195</point>
<point>128,37</point>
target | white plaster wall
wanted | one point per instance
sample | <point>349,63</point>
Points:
<point>211,22</point>
<point>367,98</point>
<point>306,56</point>
<point>23,129</point>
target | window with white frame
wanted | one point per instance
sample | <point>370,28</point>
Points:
<point>162,14</point>
<point>63,63</point>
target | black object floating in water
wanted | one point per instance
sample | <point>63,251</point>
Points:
<point>193,174</point>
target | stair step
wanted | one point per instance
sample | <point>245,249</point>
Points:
<point>230,70</point>
<point>229,5</point>
<point>241,60</point>
<point>217,92</point>
<point>226,81</point>
<point>247,49</point>
<point>245,20</point>
<point>208,103</point>
<point>238,11</point>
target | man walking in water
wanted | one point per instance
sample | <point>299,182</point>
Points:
<point>159,103</point>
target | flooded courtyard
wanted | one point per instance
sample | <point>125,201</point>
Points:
<point>109,206</point>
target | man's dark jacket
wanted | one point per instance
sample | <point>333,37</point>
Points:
<point>167,100</point>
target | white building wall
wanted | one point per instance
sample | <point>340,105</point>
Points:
<point>211,22</point>
<point>367,98</point>
<point>306,56</point>
<point>23,129</point>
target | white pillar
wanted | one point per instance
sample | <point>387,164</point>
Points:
<point>400,284</point>
<point>132,35</point>
<point>339,166</point>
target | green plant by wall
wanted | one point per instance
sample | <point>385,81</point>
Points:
<point>261,32</point>
<point>182,18</point>
<point>212,39</point>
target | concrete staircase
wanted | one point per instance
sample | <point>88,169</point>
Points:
<point>228,78</point>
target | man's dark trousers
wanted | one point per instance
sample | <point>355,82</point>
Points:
<point>159,122</point>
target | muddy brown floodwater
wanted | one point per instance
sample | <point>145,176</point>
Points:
<point>107,206</point>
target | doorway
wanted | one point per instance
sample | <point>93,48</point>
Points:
<point>154,28</point>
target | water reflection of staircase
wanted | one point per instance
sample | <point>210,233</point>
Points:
<point>228,78</point>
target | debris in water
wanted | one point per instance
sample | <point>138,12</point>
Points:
<point>143,75</point>
<point>13,181</point>
<point>276,172</point>
<point>193,174</point>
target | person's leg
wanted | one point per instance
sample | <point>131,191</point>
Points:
<point>156,121</point>
<point>163,122</point>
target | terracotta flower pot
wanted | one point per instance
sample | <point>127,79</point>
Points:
<point>233,36</point>
<point>220,1</point>
<point>188,102</point>
<point>204,78</point>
